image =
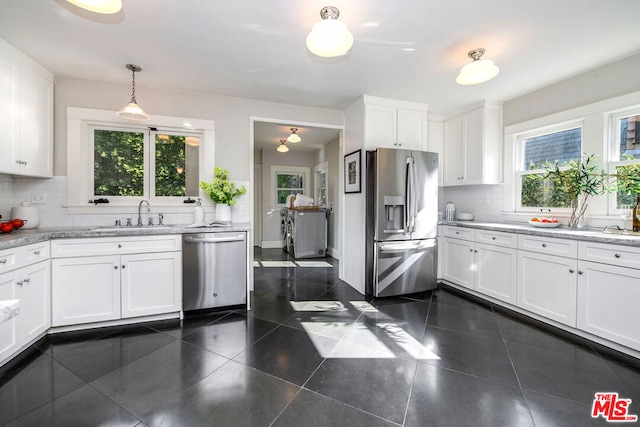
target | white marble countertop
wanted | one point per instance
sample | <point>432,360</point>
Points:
<point>35,235</point>
<point>9,309</point>
<point>591,235</point>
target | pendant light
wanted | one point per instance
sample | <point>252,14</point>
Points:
<point>132,111</point>
<point>329,37</point>
<point>479,71</point>
<point>283,147</point>
<point>294,138</point>
<point>106,7</point>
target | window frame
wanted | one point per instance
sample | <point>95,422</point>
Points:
<point>519,170</point>
<point>80,159</point>
<point>322,168</point>
<point>279,169</point>
<point>613,151</point>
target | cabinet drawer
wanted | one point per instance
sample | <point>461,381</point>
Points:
<point>498,238</point>
<point>549,246</point>
<point>114,245</point>
<point>458,232</point>
<point>9,259</point>
<point>35,253</point>
<point>623,256</point>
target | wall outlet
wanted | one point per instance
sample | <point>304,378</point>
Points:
<point>38,197</point>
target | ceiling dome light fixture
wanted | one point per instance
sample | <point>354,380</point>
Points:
<point>329,37</point>
<point>283,147</point>
<point>479,71</point>
<point>294,138</point>
<point>132,111</point>
<point>106,7</point>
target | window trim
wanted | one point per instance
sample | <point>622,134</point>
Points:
<point>613,151</point>
<point>80,158</point>
<point>275,169</point>
<point>519,170</point>
<point>322,167</point>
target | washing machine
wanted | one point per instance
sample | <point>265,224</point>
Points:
<point>307,235</point>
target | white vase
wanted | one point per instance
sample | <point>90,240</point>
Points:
<point>223,213</point>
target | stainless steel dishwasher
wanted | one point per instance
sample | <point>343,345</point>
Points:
<point>214,272</point>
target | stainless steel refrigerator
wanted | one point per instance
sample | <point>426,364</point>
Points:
<point>402,221</point>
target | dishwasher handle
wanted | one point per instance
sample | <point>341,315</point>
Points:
<point>236,238</point>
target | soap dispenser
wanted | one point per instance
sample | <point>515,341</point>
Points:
<point>198,212</point>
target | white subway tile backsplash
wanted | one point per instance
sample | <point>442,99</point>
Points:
<point>53,213</point>
<point>473,199</point>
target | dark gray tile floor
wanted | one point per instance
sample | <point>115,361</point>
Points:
<point>313,352</point>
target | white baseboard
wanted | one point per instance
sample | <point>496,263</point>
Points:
<point>333,253</point>
<point>272,244</point>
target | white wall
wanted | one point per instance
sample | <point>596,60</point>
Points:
<point>271,236</point>
<point>614,79</point>
<point>331,154</point>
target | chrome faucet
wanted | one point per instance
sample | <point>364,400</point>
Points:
<point>139,208</point>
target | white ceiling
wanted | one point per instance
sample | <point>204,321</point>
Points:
<point>268,136</point>
<point>410,50</point>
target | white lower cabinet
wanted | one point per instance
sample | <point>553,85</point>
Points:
<point>29,283</point>
<point>496,272</point>
<point>137,279</point>
<point>85,290</point>
<point>458,261</point>
<point>547,286</point>
<point>608,298</point>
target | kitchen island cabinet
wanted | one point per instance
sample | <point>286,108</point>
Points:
<point>114,278</point>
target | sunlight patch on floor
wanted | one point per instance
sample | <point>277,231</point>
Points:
<point>278,264</point>
<point>305,264</point>
<point>324,264</point>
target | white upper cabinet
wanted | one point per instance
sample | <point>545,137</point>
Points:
<point>26,115</point>
<point>395,124</point>
<point>473,147</point>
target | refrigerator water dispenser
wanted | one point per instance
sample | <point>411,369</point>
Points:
<point>394,214</point>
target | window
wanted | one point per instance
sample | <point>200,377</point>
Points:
<point>125,167</point>
<point>124,162</point>
<point>320,184</point>
<point>286,180</point>
<point>625,154</point>
<point>537,152</point>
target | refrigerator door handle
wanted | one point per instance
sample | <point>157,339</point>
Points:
<point>407,197</point>
<point>410,199</point>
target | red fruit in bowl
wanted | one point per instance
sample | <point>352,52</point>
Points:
<point>17,223</point>
<point>6,227</point>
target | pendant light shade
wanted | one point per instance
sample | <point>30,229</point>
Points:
<point>282,147</point>
<point>132,110</point>
<point>106,7</point>
<point>479,71</point>
<point>294,138</point>
<point>329,37</point>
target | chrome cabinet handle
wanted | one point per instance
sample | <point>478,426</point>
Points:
<point>544,245</point>
<point>19,283</point>
<point>119,246</point>
<point>3,261</point>
<point>580,272</point>
<point>617,255</point>
<point>123,266</point>
<point>493,238</point>
<point>27,280</point>
<point>571,270</point>
<point>36,252</point>
<point>115,267</point>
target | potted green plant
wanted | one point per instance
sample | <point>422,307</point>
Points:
<point>222,192</point>
<point>580,179</point>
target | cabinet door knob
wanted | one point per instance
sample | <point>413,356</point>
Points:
<point>19,283</point>
<point>493,238</point>
<point>3,261</point>
<point>579,272</point>
<point>617,255</point>
<point>27,280</point>
<point>571,270</point>
<point>123,266</point>
<point>119,246</point>
<point>544,245</point>
<point>476,251</point>
<point>470,250</point>
<point>115,267</point>
<point>36,252</point>
<point>457,232</point>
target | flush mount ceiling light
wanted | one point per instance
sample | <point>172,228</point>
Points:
<point>329,37</point>
<point>132,111</point>
<point>282,147</point>
<point>106,7</point>
<point>294,138</point>
<point>479,71</point>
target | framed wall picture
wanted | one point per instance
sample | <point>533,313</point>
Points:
<point>352,172</point>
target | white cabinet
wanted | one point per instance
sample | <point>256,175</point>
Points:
<point>27,279</point>
<point>395,124</point>
<point>473,147</point>
<point>117,278</point>
<point>547,286</point>
<point>484,261</point>
<point>26,110</point>
<point>609,291</point>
